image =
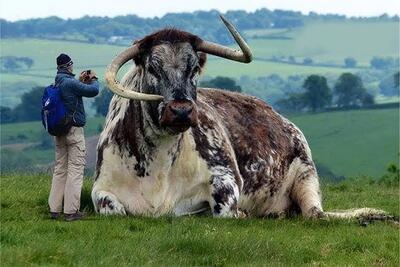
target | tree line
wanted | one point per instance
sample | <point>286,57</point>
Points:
<point>203,23</point>
<point>347,92</point>
<point>13,63</point>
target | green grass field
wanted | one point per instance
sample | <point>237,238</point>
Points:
<point>351,143</point>
<point>324,42</point>
<point>30,238</point>
<point>332,41</point>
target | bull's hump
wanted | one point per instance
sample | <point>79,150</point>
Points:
<point>244,109</point>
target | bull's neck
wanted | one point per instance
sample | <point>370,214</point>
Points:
<point>151,130</point>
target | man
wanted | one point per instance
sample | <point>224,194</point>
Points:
<point>70,149</point>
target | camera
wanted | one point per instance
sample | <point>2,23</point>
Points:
<point>87,76</point>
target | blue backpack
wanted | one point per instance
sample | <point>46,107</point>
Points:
<point>54,114</point>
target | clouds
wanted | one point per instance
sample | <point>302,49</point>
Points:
<point>22,9</point>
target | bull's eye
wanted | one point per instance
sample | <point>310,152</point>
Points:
<point>151,70</point>
<point>196,70</point>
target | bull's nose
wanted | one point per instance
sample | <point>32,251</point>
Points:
<point>181,112</point>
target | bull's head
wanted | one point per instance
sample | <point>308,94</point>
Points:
<point>170,62</point>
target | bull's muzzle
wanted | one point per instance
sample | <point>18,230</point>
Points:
<point>179,115</point>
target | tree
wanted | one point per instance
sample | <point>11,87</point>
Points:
<point>317,93</point>
<point>29,108</point>
<point>9,64</point>
<point>350,91</point>
<point>382,63</point>
<point>350,62</point>
<point>367,99</point>
<point>27,61</point>
<point>388,85</point>
<point>307,61</point>
<point>6,115</point>
<point>102,102</point>
<point>12,63</point>
<point>222,83</point>
<point>295,102</point>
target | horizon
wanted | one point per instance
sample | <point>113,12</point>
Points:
<point>356,8</point>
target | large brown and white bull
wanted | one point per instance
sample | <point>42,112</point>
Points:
<point>169,147</point>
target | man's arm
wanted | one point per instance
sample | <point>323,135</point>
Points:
<point>82,89</point>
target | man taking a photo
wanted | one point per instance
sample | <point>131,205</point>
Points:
<point>65,193</point>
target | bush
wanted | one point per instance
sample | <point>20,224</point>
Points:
<point>392,175</point>
<point>350,62</point>
<point>383,63</point>
<point>222,83</point>
<point>307,61</point>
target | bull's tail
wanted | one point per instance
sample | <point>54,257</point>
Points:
<point>363,215</point>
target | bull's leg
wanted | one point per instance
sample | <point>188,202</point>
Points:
<point>224,193</point>
<point>106,203</point>
<point>306,191</point>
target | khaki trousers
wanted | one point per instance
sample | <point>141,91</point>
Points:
<point>68,172</point>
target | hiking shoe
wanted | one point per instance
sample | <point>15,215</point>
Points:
<point>75,216</point>
<point>55,215</point>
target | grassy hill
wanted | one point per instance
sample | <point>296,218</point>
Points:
<point>330,41</point>
<point>351,143</point>
<point>348,143</point>
<point>28,237</point>
<point>326,43</point>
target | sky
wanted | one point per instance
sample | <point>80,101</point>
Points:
<point>23,9</point>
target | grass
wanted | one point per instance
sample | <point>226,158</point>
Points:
<point>354,142</point>
<point>28,237</point>
<point>332,41</point>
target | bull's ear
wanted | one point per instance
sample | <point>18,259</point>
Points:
<point>202,59</point>
<point>139,59</point>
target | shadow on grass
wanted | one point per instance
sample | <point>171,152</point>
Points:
<point>86,198</point>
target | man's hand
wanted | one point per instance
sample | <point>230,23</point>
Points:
<point>87,76</point>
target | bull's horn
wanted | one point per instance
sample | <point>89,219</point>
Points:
<point>244,56</point>
<point>115,86</point>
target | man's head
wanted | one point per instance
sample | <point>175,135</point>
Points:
<point>65,62</point>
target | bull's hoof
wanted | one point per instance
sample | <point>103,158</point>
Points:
<point>107,204</point>
<point>315,213</point>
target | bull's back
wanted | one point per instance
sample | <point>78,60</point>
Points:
<point>263,141</point>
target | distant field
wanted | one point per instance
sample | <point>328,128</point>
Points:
<point>323,42</point>
<point>30,238</point>
<point>332,42</point>
<point>349,143</point>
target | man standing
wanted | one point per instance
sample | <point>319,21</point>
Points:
<point>70,149</point>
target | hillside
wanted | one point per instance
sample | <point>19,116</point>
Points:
<point>348,143</point>
<point>326,43</point>
<point>28,237</point>
<point>352,143</point>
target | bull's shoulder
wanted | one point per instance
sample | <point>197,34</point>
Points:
<point>256,131</point>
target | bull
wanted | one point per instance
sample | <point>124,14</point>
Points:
<point>169,147</point>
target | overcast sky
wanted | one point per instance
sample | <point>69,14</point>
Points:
<point>23,9</point>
